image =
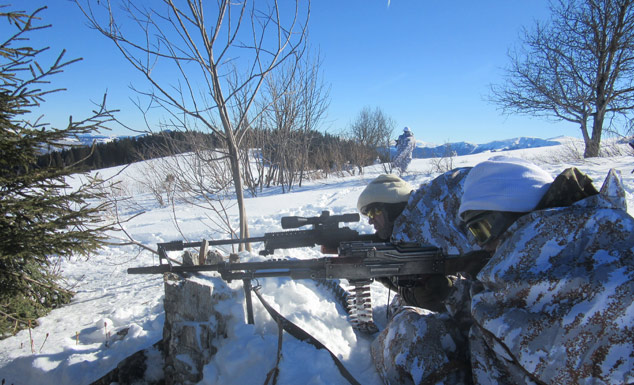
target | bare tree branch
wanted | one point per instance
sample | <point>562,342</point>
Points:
<point>577,67</point>
<point>189,59</point>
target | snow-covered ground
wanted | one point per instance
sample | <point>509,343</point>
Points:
<point>78,344</point>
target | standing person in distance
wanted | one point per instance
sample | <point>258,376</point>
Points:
<point>405,145</point>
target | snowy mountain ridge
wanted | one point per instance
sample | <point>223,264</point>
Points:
<point>423,150</point>
<point>427,150</point>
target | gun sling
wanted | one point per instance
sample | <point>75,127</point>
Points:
<point>302,335</point>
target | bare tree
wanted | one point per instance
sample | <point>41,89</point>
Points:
<point>372,130</point>
<point>282,113</point>
<point>315,100</point>
<point>192,174</point>
<point>577,67</point>
<point>201,57</point>
<point>444,162</point>
<point>253,162</point>
<point>296,103</point>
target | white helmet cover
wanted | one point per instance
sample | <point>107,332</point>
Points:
<point>504,183</point>
<point>386,188</point>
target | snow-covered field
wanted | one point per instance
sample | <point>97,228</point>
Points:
<point>78,344</point>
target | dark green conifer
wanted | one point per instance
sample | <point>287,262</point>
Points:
<point>43,218</point>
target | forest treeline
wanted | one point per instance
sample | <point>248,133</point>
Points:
<point>323,151</point>
<point>120,151</point>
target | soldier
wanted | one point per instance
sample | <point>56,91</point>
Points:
<point>554,303</point>
<point>405,145</point>
<point>423,327</point>
<point>382,201</point>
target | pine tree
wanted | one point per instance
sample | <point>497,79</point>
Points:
<point>42,217</point>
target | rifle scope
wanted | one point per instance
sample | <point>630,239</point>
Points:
<point>324,219</point>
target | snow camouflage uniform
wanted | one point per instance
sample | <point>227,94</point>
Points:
<point>431,215</point>
<point>552,306</point>
<point>554,303</point>
<point>405,145</point>
<point>421,345</point>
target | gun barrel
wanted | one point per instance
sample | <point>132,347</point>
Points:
<point>180,245</point>
<point>247,270</point>
<point>167,268</point>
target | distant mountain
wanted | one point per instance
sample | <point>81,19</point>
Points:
<point>83,140</point>
<point>424,150</point>
<point>88,139</point>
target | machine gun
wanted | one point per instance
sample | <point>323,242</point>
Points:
<point>325,231</point>
<point>358,262</point>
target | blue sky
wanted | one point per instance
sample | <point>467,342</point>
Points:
<point>427,64</point>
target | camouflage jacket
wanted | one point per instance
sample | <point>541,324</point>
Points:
<point>431,217</point>
<point>422,346</point>
<point>555,303</point>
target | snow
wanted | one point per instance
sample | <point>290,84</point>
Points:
<point>79,343</point>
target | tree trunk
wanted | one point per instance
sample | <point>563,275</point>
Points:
<point>593,144</point>
<point>234,160</point>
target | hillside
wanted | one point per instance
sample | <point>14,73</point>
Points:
<point>77,344</point>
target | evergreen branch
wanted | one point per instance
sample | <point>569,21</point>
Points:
<point>9,316</point>
<point>51,287</point>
